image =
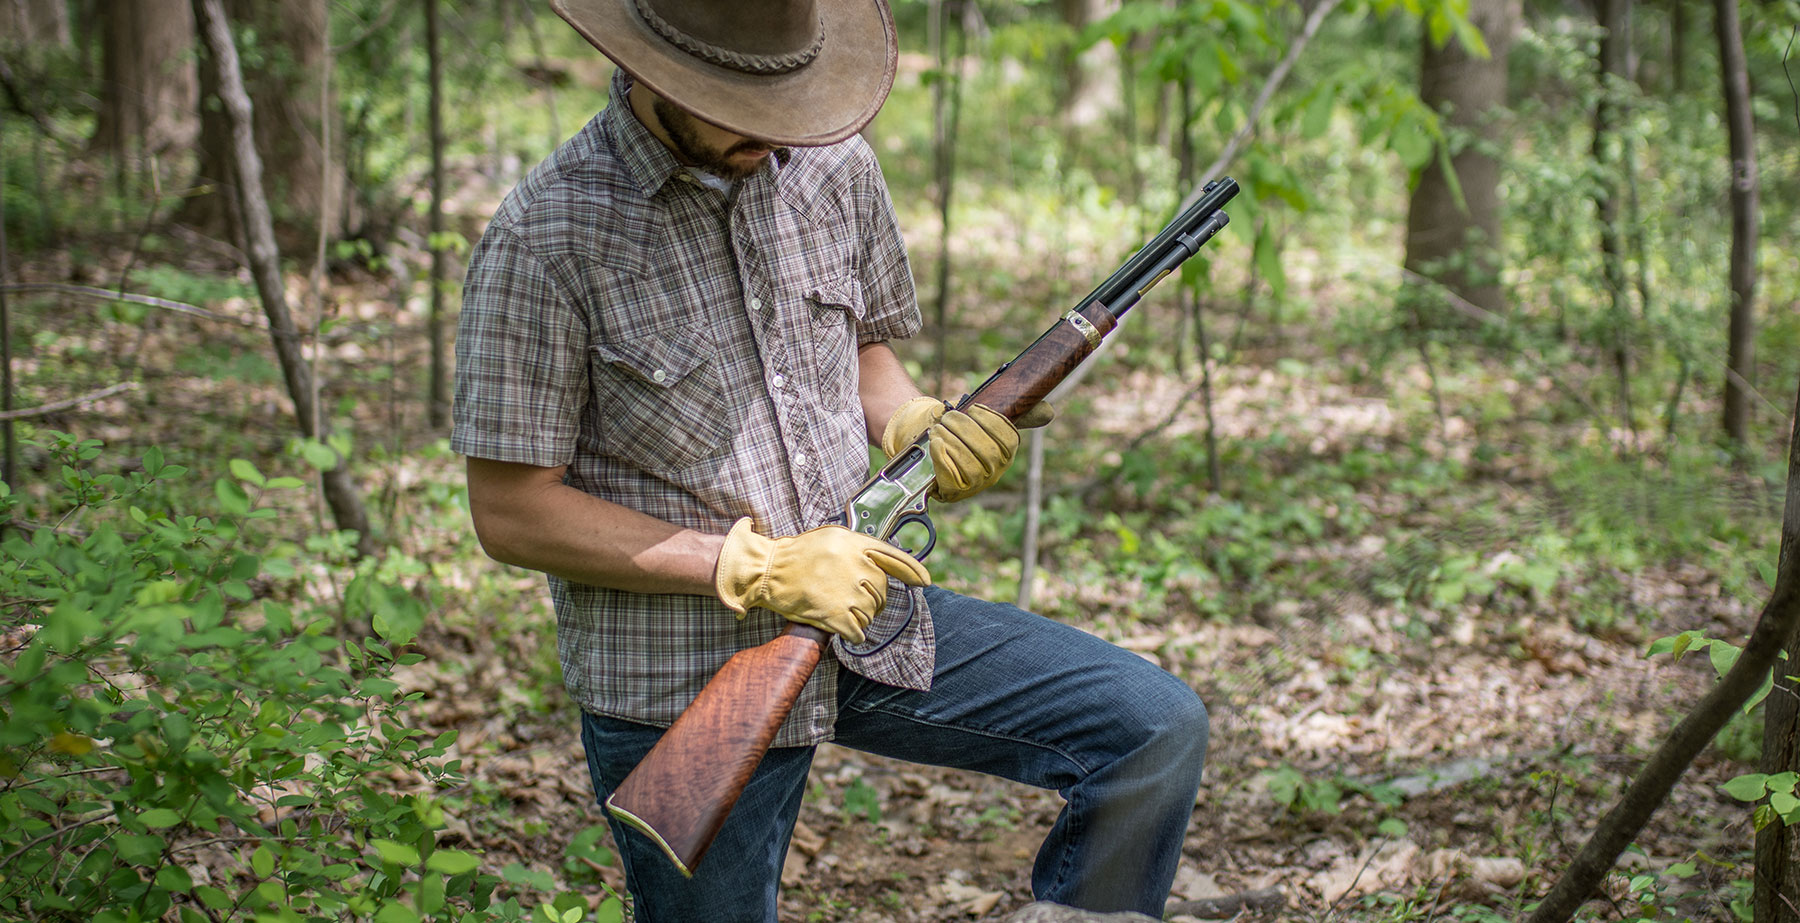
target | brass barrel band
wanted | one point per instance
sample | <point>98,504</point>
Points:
<point>1086,327</point>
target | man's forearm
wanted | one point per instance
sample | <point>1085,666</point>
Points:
<point>883,386</point>
<point>529,518</point>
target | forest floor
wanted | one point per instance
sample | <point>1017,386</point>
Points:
<point>1363,773</point>
<point>1371,757</point>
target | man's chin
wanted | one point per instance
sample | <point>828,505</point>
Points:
<point>735,168</point>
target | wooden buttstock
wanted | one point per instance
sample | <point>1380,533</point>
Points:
<point>682,791</point>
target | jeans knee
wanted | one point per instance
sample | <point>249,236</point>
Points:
<point>1174,728</point>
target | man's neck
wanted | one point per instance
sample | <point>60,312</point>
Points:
<point>640,99</point>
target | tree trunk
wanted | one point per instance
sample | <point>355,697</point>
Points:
<point>1458,243</point>
<point>9,449</point>
<point>34,23</point>
<point>439,398</point>
<point>1740,375</point>
<point>306,182</point>
<point>149,80</point>
<point>946,107</point>
<point>265,262</point>
<point>1091,86</point>
<point>1678,28</point>
<point>1609,155</point>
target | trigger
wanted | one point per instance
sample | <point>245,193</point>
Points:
<point>930,533</point>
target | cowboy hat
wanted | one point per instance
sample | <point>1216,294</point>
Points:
<point>789,72</point>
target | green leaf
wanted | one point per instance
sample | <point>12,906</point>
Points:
<point>531,878</point>
<point>1784,803</point>
<point>318,455</point>
<point>213,897</point>
<point>232,498</point>
<point>29,663</point>
<point>1412,144</point>
<point>174,878</point>
<point>177,731</point>
<point>1665,645</point>
<point>1748,787</point>
<point>395,912</point>
<point>431,894</point>
<point>1723,657</point>
<point>452,862</point>
<point>139,848</point>
<point>262,862</point>
<point>159,817</point>
<point>1438,25</point>
<point>397,853</point>
<point>1471,38</point>
<point>612,910</point>
<point>246,472</point>
<point>1762,692</point>
<point>1762,817</point>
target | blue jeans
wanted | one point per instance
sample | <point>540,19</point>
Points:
<point>1014,695</point>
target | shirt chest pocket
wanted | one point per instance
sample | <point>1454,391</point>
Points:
<point>659,400</point>
<point>837,307</point>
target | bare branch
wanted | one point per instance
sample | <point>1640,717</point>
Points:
<point>1313,20</point>
<point>69,403</point>
<point>102,294</point>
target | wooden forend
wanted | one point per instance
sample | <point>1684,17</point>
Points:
<point>1045,363</point>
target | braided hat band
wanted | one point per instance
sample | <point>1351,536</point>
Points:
<point>791,73</point>
<point>725,57</point>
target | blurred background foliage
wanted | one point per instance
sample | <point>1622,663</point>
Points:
<point>1308,420</point>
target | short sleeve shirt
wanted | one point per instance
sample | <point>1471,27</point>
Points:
<point>690,354</point>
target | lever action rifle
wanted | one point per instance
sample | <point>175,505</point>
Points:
<point>681,792</point>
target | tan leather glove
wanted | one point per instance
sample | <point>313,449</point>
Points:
<point>829,577</point>
<point>969,450</point>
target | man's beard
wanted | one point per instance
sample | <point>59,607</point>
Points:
<point>697,153</point>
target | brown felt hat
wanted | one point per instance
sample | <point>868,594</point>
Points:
<point>790,72</point>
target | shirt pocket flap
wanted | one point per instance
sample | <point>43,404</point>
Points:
<point>844,294</point>
<point>660,359</point>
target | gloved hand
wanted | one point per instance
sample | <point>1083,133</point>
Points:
<point>969,450</point>
<point>829,577</point>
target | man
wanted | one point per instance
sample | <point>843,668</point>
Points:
<point>671,360</point>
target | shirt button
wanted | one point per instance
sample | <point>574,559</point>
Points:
<point>756,304</point>
<point>659,376</point>
<point>800,459</point>
<point>779,381</point>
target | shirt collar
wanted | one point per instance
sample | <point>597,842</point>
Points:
<point>647,159</point>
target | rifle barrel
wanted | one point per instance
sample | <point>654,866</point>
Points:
<point>1127,277</point>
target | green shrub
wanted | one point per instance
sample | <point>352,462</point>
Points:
<point>157,705</point>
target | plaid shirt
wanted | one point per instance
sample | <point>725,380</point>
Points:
<point>691,355</point>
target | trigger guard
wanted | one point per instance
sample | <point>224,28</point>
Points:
<point>930,533</point>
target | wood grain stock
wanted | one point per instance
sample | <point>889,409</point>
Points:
<point>1027,379</point>
<point>682,791</point>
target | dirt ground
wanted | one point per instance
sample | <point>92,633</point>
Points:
<point>1362,769</point>
<point>1499,766</point>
